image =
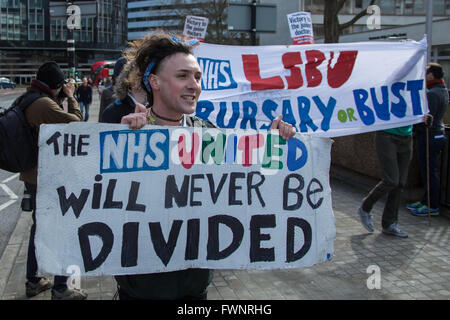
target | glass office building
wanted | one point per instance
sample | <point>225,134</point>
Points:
<point>31,32</point>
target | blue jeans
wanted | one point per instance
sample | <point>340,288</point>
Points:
<point>60,282</point>
<point>436,145</point>
<point>84,105</point>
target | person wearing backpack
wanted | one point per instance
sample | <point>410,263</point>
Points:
<point>49,82</point>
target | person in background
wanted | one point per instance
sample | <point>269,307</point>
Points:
<point>108,82</point>
<point>49,80</point>
<point>107,97</point>
<point>394,152</point>
<point>84,97</point>
<point>128,92</point>
<point>437,96</point>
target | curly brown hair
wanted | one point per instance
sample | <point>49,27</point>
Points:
<point>153,47</point>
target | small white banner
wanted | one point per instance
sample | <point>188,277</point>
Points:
<point>301,27</point>
<point>195,27</point>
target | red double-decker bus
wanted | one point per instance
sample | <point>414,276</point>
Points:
<point>101,70</point>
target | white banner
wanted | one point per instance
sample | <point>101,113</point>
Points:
<point>301,27</point>
<point>323,89</point>
<point>115,201</point>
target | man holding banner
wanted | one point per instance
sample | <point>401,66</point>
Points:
<point>172,78</point>
<point>437,96</point>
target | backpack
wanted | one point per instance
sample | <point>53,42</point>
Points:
<point>18,139</point>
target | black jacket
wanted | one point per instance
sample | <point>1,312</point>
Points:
<point>84,94</point>
<point>437,98</point>
<point>116,110</point>
<point>106,99</point>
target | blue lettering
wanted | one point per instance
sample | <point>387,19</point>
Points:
<point>223,112</point>
<point>381,109</point>
<point>204,109</point>
<point>249,113</point>
<point>268,107</point>
<point>365,113</point>
<point>327,111</point>
<point>398,109</point>
<point>294,163</point>
<point>216,74</point>
<point>288,115</point>
<point>303,109</point>
<point>127,150</point>
<point>414,86</point>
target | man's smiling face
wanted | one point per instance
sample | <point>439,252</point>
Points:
<point>177,85</point>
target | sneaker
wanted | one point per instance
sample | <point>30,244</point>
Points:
<point>69,294</point>
<point>33,289</point>
<point>393,230</point>
<point>423,211</point>
<point>366,219</point>
<point>414,205</point>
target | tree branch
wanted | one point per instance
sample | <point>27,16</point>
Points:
<point>355,18</point>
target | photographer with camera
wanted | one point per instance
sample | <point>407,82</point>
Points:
<point>51,85</point>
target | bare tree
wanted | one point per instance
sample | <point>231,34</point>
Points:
<point>332,27</point>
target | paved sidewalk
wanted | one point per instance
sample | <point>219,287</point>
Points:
<point>414,268</point>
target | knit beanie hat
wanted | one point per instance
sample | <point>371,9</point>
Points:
<point>50,74</point>
<point>118,66</point>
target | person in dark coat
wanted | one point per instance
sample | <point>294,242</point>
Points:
<point>126,94</point>
<point>437,96</point>
<point>107,96</point>
<point>84,97</point>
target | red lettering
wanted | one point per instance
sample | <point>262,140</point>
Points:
<point>253,74</point>
<point>337,75</point>
<point>343,68</point>
<point>290,60</point>
<point>188,158</point>
<point>247,144</point>
<point>313,75</point>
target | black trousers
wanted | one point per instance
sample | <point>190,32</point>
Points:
<point>60,282</point>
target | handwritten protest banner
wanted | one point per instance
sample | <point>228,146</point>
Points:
<point>322,89</point>
<point>116,201</point>
<point>301,27</point>
<point>195,27</point>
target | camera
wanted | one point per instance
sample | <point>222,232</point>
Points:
<point>62,94</point>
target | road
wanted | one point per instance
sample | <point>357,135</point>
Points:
<point>11,188</point>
